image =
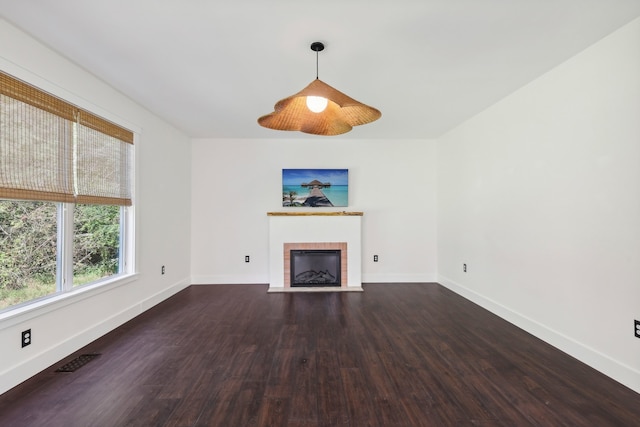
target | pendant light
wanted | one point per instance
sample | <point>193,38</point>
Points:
<point>319,109</point>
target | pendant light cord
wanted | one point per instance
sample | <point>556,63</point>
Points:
<point>317,47</point>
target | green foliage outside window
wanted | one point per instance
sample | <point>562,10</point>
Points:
<point>28,239</point>
<point>27,243</point>
<point>96,242</point>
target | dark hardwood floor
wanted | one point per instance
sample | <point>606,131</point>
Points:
<point>395,355</point>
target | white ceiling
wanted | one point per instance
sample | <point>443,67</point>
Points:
<point>212,67</point>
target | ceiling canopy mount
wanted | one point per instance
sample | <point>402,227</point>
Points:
<point>317,46</point>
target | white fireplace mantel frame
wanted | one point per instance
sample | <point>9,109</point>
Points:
<point>312,227</point>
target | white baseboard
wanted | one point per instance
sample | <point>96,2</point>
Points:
<point>229,279</point>
<point>620,372</point>
<point>235,279</point>
<point>398,278</point>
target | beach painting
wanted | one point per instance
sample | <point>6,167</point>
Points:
<point>315,187</point>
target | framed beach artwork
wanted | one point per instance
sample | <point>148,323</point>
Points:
<point>315,188</point>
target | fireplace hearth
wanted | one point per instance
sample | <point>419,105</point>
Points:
<point>315,268</point>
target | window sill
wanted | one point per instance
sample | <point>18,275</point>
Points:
<point>26,312</point>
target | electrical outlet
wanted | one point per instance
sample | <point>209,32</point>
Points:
<point>246,258</point>
<point>375,258</point>
<point>637,326</point>
<point>26,337</point>
<point>162,270</point>
<point>464,268</point>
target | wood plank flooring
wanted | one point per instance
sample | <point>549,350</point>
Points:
<point>394,355</point>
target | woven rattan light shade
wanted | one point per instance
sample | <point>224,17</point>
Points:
<point>341,114</point>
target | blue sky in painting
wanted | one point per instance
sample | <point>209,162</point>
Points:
<point>298,176</point>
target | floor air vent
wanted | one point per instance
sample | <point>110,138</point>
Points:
<point>77,363</point>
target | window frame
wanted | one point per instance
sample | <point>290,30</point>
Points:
<point>64,286</point>
<point>66,293</point>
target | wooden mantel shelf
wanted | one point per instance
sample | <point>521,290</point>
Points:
<point>315,213</point>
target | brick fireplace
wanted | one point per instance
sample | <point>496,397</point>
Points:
<point>314,231</point>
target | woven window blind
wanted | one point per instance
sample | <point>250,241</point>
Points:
<point>51,150</point>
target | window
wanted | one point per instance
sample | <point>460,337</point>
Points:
<point>28,242</point>
<point>65,195</point>
<point>96,242</point>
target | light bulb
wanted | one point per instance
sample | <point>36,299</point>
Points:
<point>317,104</point>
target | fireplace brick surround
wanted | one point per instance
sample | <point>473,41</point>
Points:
<point>315,230</point>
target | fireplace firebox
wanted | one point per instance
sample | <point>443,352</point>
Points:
<point>315,267</point>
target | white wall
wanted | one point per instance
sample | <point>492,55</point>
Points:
<point>162,224</point>
<point>540,196</point>
<point>236,182</point>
